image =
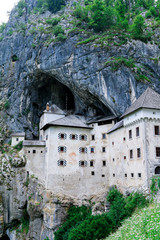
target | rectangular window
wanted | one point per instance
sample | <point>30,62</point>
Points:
<point>92,150</point>
<point>124,139</point>
<point>132,175</point>
<point>46,137</point>
<point>93,137</point>
<point>112,143</point>
<point>91,163</point>
<point>157,130</point>
<point>124,157</point>
<point>17,139</point>
<point>103,149</point>
<point>130,134</point>
<point>125,175</point>
<point>157,151</point>
<point>34,151</point>
<point>61,149</point>
<point>83,163</point>
<point>103,136</point>
<point>137,131</point>
<point>131,153</point>
<point>92,173</point>
<point>62,136</point>
<point>138,152</point>
<point>103,163</point>
<point>114,175</point>
<point>139,175</point>
<point>103,175</point>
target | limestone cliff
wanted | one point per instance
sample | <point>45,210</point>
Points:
<point>35,68</point>
<point>76,75</point>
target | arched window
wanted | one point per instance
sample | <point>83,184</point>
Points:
<point>157,170</point>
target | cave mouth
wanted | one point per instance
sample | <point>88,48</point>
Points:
<point>5,237</point>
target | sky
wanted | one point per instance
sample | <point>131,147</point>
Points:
<point>6,6</point>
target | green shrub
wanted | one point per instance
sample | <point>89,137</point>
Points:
<point>7,105</point>
<point>19,146</point>
<point>2,27</point>
<point>148,14</point>
<point>53,21</point>
<point>61,37</point>
<point>57,30</point>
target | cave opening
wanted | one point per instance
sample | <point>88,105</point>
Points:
<point>5,237</point>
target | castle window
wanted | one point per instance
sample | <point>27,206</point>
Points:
<point>46,137</point>
<point>137,131</point>
<point>132,175</point>
<point>62,136</point>
<point>103,163</point>
<point>157,130</point>
<point>130,134</point>
<point>62,149</point>
<point>83,163</point>
<point>62,163</point>
<point>139,175</point>
<point>17,139</point>
<point>138,152</point>
<point>92,173</point>
<point>112,143</point>
<point>157,170</point>
<point>125,175</point>
<point>34,151</point>
<point>114,175</point>
<point>91,163</point>
<point>28,151</point>
<point>131,154</point>
<point>103,135</point>
<point>92,149</point>
<point>83,150</point>
<point>124,157</point>
<point>93,137</point>
<point>124,139</point>
<point>157,151</point>
<point>113,159</point>
<point>73,136</point>
<point>83,137</point>
<point>103,175</point>
<point>103,149</point>
<point>41,151</point>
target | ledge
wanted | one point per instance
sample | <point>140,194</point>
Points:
<point>33,143</point>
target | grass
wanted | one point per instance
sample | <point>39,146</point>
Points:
<point>144,224</point>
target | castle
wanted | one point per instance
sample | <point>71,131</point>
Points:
<point>80,158</point>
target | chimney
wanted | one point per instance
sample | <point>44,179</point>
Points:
<point>47,107</point>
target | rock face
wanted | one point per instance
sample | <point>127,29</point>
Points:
<point>72,76</point>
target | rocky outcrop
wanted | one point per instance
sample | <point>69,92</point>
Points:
<point>34,69</point>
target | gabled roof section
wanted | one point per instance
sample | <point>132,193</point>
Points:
<point>69,121</point>
<point>116,126</point>
<point>101,119</point>
<point>149,99</point>
<point>54,109</point>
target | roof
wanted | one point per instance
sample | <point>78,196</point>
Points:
<point>69,121</point>
<point>54,109</point>
<point>149,99</point>
<point>22,134</point>
<point>116,126</point>
<point>98,119</point>
<point>33,143</point>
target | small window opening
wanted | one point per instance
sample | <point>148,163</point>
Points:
<point>17,139</point>
<point>130,134</point>
<point>139,175</point>
<point>91,163</point>
<point>132,175</point>
<point>73,137</point>
<point>112,143</point>
<point>124,139</point>
<point>103,149</point>
<point>82,137</point>
<point>137,131</point>
<point>93,137</point>
<point>103,175</point>
<point>103,135</point>
<point>82,150</point>
<point>41,151</point>
<point>113,159</point>
<point>62,136</point>
<point>103,163</point>
<point>124,157</point>
<point>28,151</point>
<point>46,137</point>
<point>125,175</point>
<point>138,152</point>
<point>157,170</point>
<point>157,130</point>
<point>34,151</point>
<point>131,154</point>
<point>61,149</point>
<point>92,149</point>
<point>92,173</point>
<point>157,151</point>
<point>113,174</point>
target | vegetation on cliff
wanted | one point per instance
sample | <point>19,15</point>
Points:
<point>82,225</point>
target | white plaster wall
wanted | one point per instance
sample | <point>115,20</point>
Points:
<point>15,142</point>
<point>48,117</point>
<point>73,179</point>
<point>121,166</point>
<point>35,161</point>
<point>141,113</point>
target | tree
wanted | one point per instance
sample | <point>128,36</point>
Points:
<point>55,5</point>
<point>138,27</point>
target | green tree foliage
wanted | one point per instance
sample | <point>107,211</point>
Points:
<point>138,27</point>
<point>51,5</point>
<point>82,225</point>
